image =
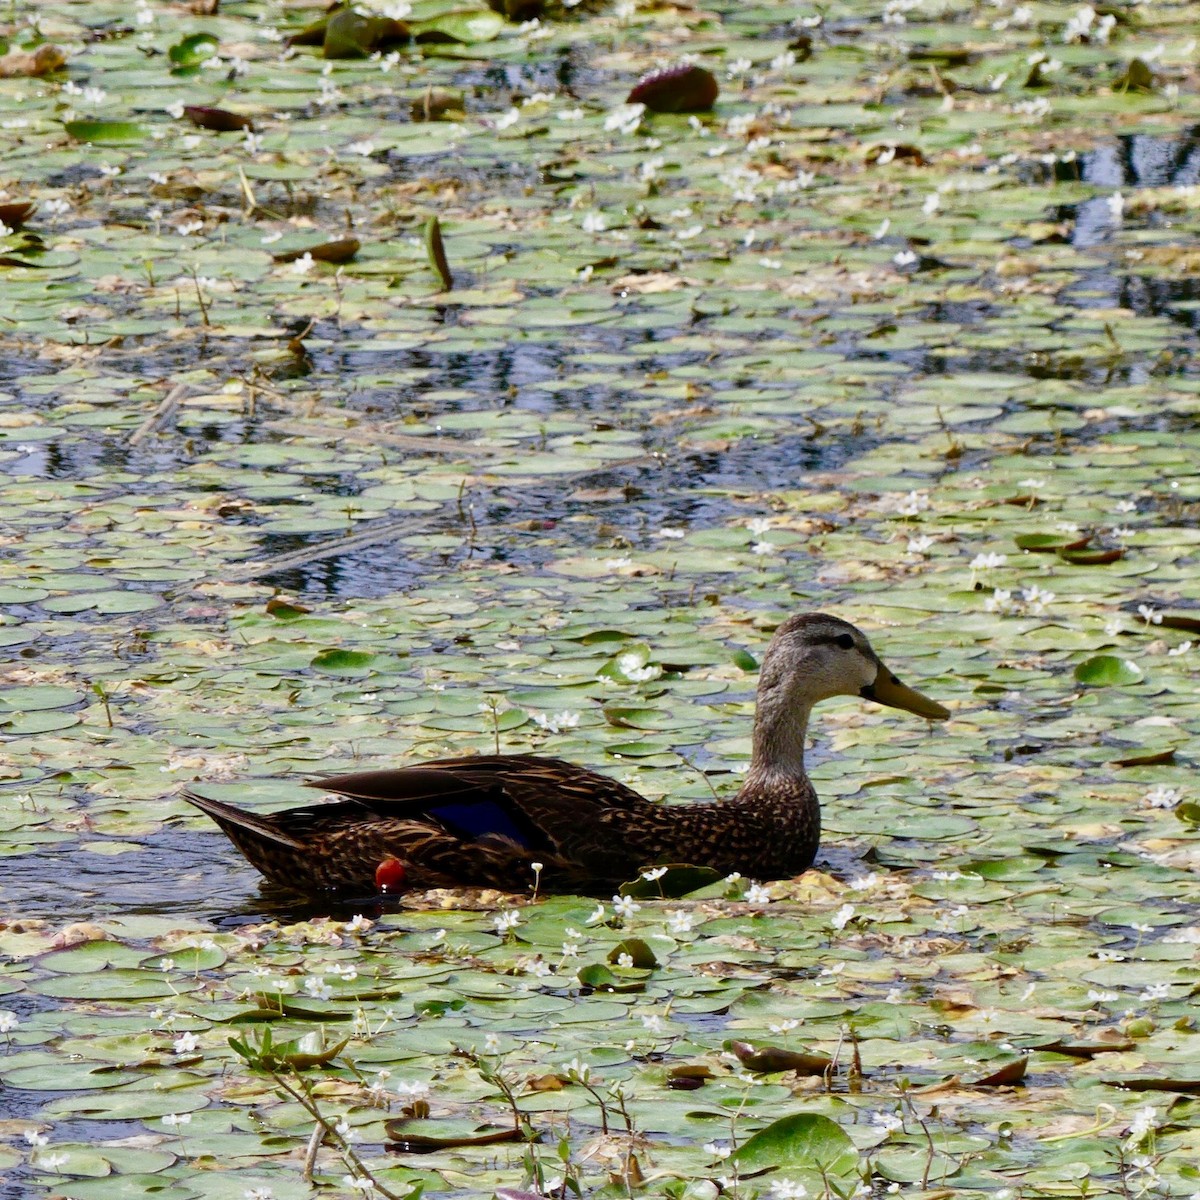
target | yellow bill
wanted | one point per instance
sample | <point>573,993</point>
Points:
<point>887,689</point>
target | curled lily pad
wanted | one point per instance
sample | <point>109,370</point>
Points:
<point>678,89</point>
<point>193,50</point>
<point>219,119</point>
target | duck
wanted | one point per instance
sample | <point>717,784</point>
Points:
<point>515,822</point>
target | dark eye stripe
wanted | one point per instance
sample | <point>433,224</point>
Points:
<point>844,640</point>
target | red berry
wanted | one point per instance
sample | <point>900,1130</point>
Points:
<point>390,874</point>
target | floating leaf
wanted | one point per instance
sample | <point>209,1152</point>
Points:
<point>14,213</point>
<point>638,950</point>
<point>467,27</point>
<point>45,60</point>
<point>1107,670</point>
<point>351,34</point>
<point>1011,1072</point>
<point>105,132</point>
<point>767,1060</point>
<point>339,251</point>
<point>1137,77</point>
<point>342,661</point>
<point>1049,543</point>
<point>807,1141</point>
<point>193,50</point>
<point>219,119</point>
<point>678,89</point>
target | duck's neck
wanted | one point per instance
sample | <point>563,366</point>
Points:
<point>777,756</point>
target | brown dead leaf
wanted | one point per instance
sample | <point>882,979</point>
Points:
<point>650,283</point>
<point>43,61</point>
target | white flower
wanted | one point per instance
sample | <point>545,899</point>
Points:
<point>985,562</point>
<point>413,1089</point>
<point>761,548</point>
<point>912,504</point>
<point>34,1138</point>
<point>1155,991</point>
<point>343,1130</point>
<point>594,222</point>
<point>557,722</point>
<point>625,119</point>
<point>864,883</point>
<point>508,119</point>
<point>597,916</point>
<point>1125,506</point>
<point>920,545</point>
<point>1078,26</point>
<point>358,1182</point>
<point>1095,997</point>
<point>174,1120</point>
<point>757,894</point>
<point>653,1022</point>
<point>842,917</point>
<point>1116,206</point>
<point>784,1026</point>
<point>1000,601</point>
<point>1182,648</point>
<point>673,534</point>
<point>316,987</point>
<point>365,148</point>
<point>1036,598</point>
<point>570,949</point>
<point>679,922</point>
<point>788,1189</point>
<point>359,924</point>
<point>304,264</point>
<point>506,921</point>
<point>625,961</point>
<point>577,1070</point>
<point>631,666</point>
<point>1149,614</point>
<point>491,1043</point>
<point>52,1162</point>
<point>1144,1121</point>
<point>932,204</point>
<point>655,873</point>
<point>1162,797</point>
<point>717,1150</point>
<point>890,1121</point>
<point>904,258</point>
<point>185,1043</point>
<point>625,906</point>
<point>759,525</point>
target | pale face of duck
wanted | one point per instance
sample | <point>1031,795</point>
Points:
<point>814,656</point>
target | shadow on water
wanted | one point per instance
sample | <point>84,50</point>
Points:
<point>1124,163</point>
<point>178,872</point>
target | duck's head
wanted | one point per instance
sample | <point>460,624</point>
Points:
<point>814,656</point>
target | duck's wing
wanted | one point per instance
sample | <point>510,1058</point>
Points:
<point>536,803</point>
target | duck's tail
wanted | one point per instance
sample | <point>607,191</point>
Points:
<point>265,845</point>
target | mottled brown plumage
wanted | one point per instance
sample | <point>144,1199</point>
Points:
<point>484,820</point>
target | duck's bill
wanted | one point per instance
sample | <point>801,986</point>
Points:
<point>887,689</point>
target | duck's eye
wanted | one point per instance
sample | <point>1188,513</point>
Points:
<point>845,641</point>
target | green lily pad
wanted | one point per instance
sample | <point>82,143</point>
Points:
<point>1107,670</point>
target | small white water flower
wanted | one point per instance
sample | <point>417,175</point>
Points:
<point>506,921</point>
<point>1162,797</point>
<point>842,917</point>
